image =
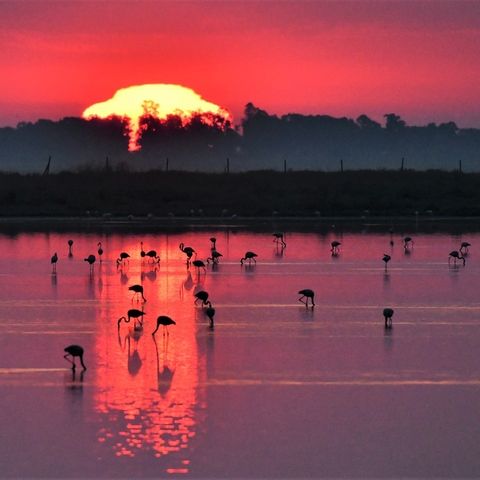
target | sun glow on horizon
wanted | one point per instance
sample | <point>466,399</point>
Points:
<point>159,100</point>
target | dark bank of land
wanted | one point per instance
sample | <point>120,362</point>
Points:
<point>251,194</point>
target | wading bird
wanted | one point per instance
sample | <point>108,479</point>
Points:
<point>100,251</point>
<point>124,256</point>
<point>388,314</point>
<point>74,351</point>
<point>456,256</point>
<point>213,240</point>
<point>188,251</point>
<point>138,290</point>
<point>210,313</point>
<point>407,242</point>
<point>464,247</point>
<point>133,313</point>
<point>307,294</point>
<point>386,258</point>
<point>70,245</point>
<point>198,264</point>
<point>91,260</point>
<point>249,256</point>
<point>165,322</point>
<point>335,247</point>
<point>214,256</point>
<point>54,261</point>
<point>279,239</point>
<point>151,254</point>
<point>203,296</point>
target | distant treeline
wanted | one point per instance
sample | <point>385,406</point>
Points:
<point>254,194</point>
<point>208,143</point>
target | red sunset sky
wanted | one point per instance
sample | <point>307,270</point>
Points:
<point>419,59</point>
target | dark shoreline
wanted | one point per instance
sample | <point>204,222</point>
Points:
<point>132,224</point>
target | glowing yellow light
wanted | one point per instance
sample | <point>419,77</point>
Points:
<point>158,100</point>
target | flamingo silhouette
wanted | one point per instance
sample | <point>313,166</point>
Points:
<point>388,314</point>
<point>188,251</point>
<point>203,296</point>
<point>279,239</point>
<point>335,250</point>
<point>100,250</point>
<point>198,264</point>
<point>151,254</point>
<point>135,314</point>
<point>407,242</point>
<point>210,313</point>
<point>456,256</point>
<point>464,247</point>
<point>91,260</point>
<point>386,258</point>
<point>214,256</point>
<point>70,245</point>
<point>54,261</point>
<point>124,256</point>
<point>164,376</point>
<point>138,290</point>
<point>307,294</point>
<point>214,243</point>
<point>74,351</point>
<point>249,256</point>
<point>165,322</point>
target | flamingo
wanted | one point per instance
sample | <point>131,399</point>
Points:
<point>100,250</point>
<point>308,294</point>
<point>464,247</point>
<point>132,313</point>
<point>138,290</point>
<point>279,239</point>
<point>165,322</point>
<point>249,256</point>
<point>70,245</point>
<point>407,242</point>
<point>210,312</point>
<point>188,251</point>
<point>214,256</point>
<point>214,243</point>
<point>386,258</point>
<point>388,314</point>
<point>124,256</point>
<point>74,351</point>
<point>91,260</point>
<point>151,253</point>
<point>456,256</point>
<point>199,264</point>
<point>335,250</point>
<point>54,261</point>
<point>203,296</point>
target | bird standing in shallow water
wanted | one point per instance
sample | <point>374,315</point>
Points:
<point>54,261</point>
<point>279,239</point>
<point>133,313</point>
<point>214,256</point>
<point>198,264</point>
<point>100,251</point>
<point>388,314</point>
<point>210,313</point>
<point>70,245</point>
<point>307,294</point>
<point>249,256</point>
<point>165,322</point>
<point>188,251</point>
<point>74,351</point>
<point>386,258</point>
<point>91,260</point>
<point>456,256</point>
<point>203,296</point>
<point>138,290</point>
<point>407,243</point>
<point>335,248</point>
<point>124,256</point>
<point>464,248</point>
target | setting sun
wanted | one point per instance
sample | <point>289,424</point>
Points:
<point>158,100</point>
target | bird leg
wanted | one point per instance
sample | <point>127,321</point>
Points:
<point>68,360</point>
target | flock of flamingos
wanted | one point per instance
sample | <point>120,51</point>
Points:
<point>307,295</point>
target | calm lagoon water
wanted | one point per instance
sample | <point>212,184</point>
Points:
<point>275,390</point>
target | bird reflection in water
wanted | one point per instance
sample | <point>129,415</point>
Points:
<point>74,381</point>
<point>165,374</point>
<point>134,361</point>
<point>187,284</point>
<point>150,274</point>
